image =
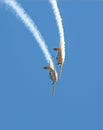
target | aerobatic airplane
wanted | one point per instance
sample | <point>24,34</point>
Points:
<point>53,76</point>
<point>60,58</point>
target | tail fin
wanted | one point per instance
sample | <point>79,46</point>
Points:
<point>55,49</point>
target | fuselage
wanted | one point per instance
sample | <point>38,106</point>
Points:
<point>52,74</point>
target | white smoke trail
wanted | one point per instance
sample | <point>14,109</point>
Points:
<point>20,12</point>
<point>59,24</point>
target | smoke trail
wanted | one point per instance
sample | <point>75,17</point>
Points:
<point>20,12</point>
<point>59,24</point>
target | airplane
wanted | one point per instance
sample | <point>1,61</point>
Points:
<point>59,57</point>
<point>53,76</point>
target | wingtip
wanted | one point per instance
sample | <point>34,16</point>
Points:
<point>45,67</point>
<point>55,49</point>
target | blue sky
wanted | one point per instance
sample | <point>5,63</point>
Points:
<point>26,102</point>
